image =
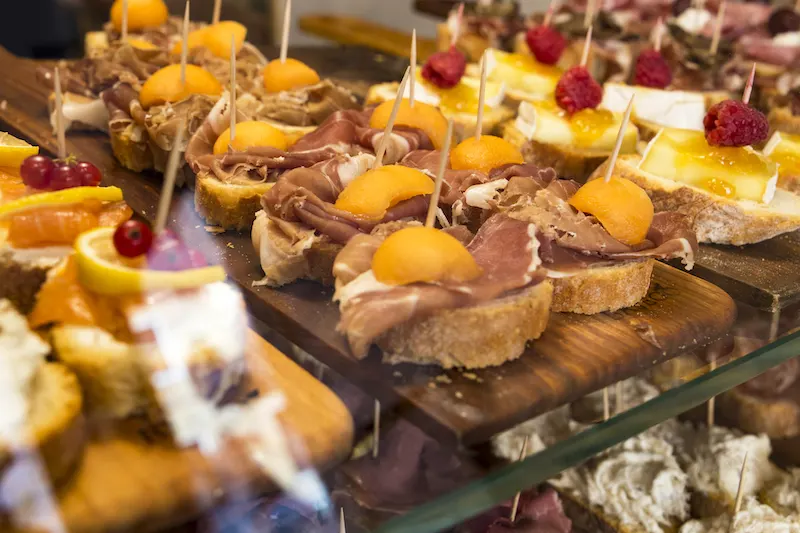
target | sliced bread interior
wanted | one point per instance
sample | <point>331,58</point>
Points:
<point>600,289</point>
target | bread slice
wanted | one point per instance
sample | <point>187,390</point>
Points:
<point>229,205</point>
<point>464,123</point>
<point>472,337</point>
<point>131,148</point>
<point>608,288</point>
<point>21,277</point>
<point>715,219</point>
<point>568,161</point>
<point>782,119</point>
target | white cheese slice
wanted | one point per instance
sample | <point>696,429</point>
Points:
<point>693,20</point>
<point>669,109</point>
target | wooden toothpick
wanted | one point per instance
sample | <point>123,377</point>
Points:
<point>287,21</point>
<point>387,131</point>
<point>711,406</point>
<point>437,189</point>
<point>185,43</point>
<point>618,404</point>
<point>216,12</point>
<point>459,19</point>
<point>606,405</point>
<point>60,136</point>
<point>748,88</point>
<point>587,45</point>
<point>620,137</point>
<point>659,34</point>
<point>739,492</point>
<point>548,16</point>
<point>412,82</point>
<point>376,430</point>
<point>169,181</point>
<point>718,29</point>
<point>588,17</point>
<point>481,98</point>
<point>124,32</point>
<point>233,90</point>
<point>515,506</point>
<point>342,528</point>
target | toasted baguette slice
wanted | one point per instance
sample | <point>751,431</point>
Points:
<point>95,43</point>
<point>472,337</point>
<point>56,420</point>
<point>229,205</point>
<point>22,275</point>
<point>715,219</point>
<point>131,148</point>
<point>568,161</point>
<point>596,290</point>
<point>464,123</point>
<point>781,119</point>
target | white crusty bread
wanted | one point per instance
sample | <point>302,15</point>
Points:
<point>472,337</point>
<point>568,161</point>
<point>229,205</point>
<point>714,218</point>
<point>47,395</point>
<point>464,123</point>
<point>607,288</point>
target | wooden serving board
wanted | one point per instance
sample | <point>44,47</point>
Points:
<point>576,355</point>
<point>132,479</point>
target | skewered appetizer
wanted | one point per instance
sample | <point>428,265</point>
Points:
<point>54,202</point>
<point>102,307</point>
<point>726,188</point>
<point>443,297</point>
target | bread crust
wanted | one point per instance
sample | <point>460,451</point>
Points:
<point>596,290</point>
<point>472,337</point>
<point>568,161</point>
<point>778,418</point>
<point>135,156</point>
<point>226,205</point>
<point>714,218</point>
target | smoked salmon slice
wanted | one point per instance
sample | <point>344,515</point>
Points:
<point>61,225</point>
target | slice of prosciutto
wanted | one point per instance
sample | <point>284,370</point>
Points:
<point>370,308</point>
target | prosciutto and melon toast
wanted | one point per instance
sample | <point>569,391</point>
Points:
<point>443,297</point>
<point>597,243</point>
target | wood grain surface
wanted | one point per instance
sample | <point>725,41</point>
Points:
<point>132,478</point>
<point>576,355</point>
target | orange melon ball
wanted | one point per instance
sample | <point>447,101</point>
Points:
<point>218,38</point>
<point>421,254</point>
<point>195,39</point>
<point>421,116</point>
<point>621,206</point>
<point>484,154</point>
<point>249,134</point>
<point>165,85</point>
<point>375,191</point>
<point>292,74</point>
<point>142,14</point>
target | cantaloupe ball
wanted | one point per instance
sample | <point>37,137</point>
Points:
<point>292,74</point>
<point>249,134</point>
<point>142,14</point>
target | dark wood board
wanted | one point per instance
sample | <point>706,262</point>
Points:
<point>576,355</point>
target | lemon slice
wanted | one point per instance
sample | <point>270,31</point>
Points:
<point>14,151</point>
<point>67,196</point>
<point>103,271</point>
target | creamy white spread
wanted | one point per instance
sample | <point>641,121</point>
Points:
<point>693,20</point>
<point>753,518</point>
<point>789,39</point>
<point>23,353</point>
<point>785,495</point>
<point>481,194</point>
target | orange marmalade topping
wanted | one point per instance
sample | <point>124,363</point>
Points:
<point>586,125</point>
<point>61,225</point>
<point>63,300</point>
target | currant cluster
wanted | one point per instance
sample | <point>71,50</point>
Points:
<point>165,251</point>
<point>41,172</point>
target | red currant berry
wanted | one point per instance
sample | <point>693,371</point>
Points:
<point>63,176</point>
<point>89,174</point>
<point>169,253</point>
<point>198,259</point>
<point>133,238</point>
<point>35,171</point>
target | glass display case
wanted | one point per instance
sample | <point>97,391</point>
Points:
<point>210,320</point>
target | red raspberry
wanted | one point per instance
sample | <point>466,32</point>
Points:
<point>546,44</point>
<point>652,70</point>
<point>577,90</point>
<point>445,69</point>
<point>734,123</point>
